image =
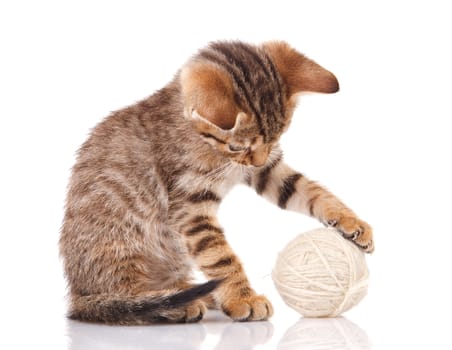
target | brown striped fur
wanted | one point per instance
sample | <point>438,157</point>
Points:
<point>144,192</point>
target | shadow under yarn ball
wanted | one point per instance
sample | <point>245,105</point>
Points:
<point>321,274</point>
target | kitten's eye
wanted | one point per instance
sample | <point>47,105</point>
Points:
<point>234,148</point>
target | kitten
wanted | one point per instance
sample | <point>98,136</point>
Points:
<point>144,192</point>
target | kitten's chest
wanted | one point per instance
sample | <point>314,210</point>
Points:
<point>219,181</point>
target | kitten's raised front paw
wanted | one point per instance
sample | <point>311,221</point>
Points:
<point>253,308</point>
<point>355,230</point>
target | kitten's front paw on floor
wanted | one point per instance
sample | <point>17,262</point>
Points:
<point>195,312</point>
<point>191,313</point>
<point>254,308</point>
<point>355,230</point>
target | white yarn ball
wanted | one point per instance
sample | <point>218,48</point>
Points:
<point>321,274</point>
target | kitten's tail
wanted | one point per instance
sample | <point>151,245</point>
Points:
<point>153,307</point>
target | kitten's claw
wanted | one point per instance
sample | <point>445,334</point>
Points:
<point>355,235</point>
<point>332,223</point>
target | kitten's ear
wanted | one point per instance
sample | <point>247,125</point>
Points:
<point>208,91</point>
<point>299,72</point>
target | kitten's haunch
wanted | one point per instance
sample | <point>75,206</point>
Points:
<point>144,193</point>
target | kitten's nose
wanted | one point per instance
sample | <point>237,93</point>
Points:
<point>258,158</point>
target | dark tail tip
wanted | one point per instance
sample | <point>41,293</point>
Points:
<point>193,293</point>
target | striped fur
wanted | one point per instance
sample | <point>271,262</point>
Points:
<point>145,190</point>
<point>250,68</point>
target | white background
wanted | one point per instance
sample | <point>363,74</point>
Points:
<point>382,144</point>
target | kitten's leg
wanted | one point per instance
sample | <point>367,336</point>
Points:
<point>208,247</point>
<point>293,191</point>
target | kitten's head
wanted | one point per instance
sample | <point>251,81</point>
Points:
<point>240,98</point>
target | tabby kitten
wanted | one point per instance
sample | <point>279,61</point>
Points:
<point>144,192</point>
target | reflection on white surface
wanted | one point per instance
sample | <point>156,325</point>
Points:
<point>232,335</point>
<point>244,335</point>
<point>88,336</point>
<point>325,334</point>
